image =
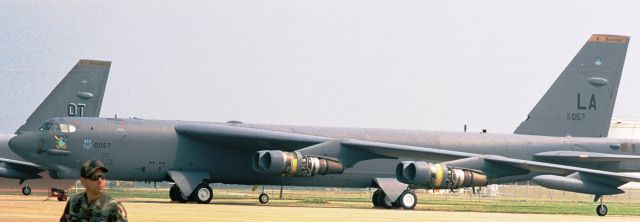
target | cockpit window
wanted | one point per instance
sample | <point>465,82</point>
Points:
<point>64,128</point>
<point>67,128</point>
<point>46,127</point>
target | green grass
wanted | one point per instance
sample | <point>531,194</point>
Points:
<point>425,202</point>
<point>535,207</point>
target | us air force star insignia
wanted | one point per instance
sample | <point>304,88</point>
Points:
<point>598,61</point>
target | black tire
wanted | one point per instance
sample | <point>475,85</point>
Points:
<point>408,199</point>
<point>384,201</point>
<point>26,190</point>
<point>602,210</point>
<point>173,192</point>
<point>375,198</point>
<point>263,198</point>
<point>395,204</point>
<point>202,195</point>
<point>176,195</point>
<point>62,197</point>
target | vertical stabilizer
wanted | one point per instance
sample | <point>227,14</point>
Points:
<point>580,102</point>
<point>79,94</point>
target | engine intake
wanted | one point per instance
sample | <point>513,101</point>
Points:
<point>294,164</point>
<point>438,176</point>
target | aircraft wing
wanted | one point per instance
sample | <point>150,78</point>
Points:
<point>352,151</point>
<point>413,152</point>
<point>247,138</point>
<point>260,139</point>
<point>537,166</point>
<point>19,169</point>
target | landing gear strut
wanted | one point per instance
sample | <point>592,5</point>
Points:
<point>601,209</point>
<point>26,190</point>
<point>264,197</point>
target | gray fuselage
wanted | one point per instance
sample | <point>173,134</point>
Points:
<point>144,150</point>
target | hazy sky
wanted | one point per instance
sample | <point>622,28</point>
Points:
<point>434,65</point>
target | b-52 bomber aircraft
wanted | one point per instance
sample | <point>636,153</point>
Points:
<point>561,145</point>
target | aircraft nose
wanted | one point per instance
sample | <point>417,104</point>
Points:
<point>24,144</point>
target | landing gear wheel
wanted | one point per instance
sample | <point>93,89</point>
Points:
<point>263,198</point>
<point>375,198</point>
<point>395,204</point>
<point>407,199</point>
<point>173,192</point>
<point>602,210</point>
<point>176,195</point>
<point>26,190</point>
<point>384,201</point>
<point>203,194</point>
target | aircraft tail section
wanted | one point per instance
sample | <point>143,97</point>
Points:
<point>580,102</point>
<point>79,94</point>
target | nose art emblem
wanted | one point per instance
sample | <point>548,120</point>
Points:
<point>61,141</point>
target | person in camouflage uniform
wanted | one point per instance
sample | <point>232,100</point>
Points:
<point>93,204</point>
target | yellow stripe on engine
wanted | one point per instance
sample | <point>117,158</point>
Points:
<point>294,166</point>
<point>439,175</point>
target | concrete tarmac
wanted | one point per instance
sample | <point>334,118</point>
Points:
<point>35,208</point>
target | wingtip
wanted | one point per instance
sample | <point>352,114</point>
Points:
<point>94,62</point>
<point>609,38</point>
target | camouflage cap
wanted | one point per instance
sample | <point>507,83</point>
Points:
<point>89,167</point>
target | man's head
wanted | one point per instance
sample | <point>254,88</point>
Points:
<point>90,166</point>
<point>92,176</point>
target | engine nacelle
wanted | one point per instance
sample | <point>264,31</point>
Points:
<point>400,168</point>
<point>294,164</point>
<point>438,176</point>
